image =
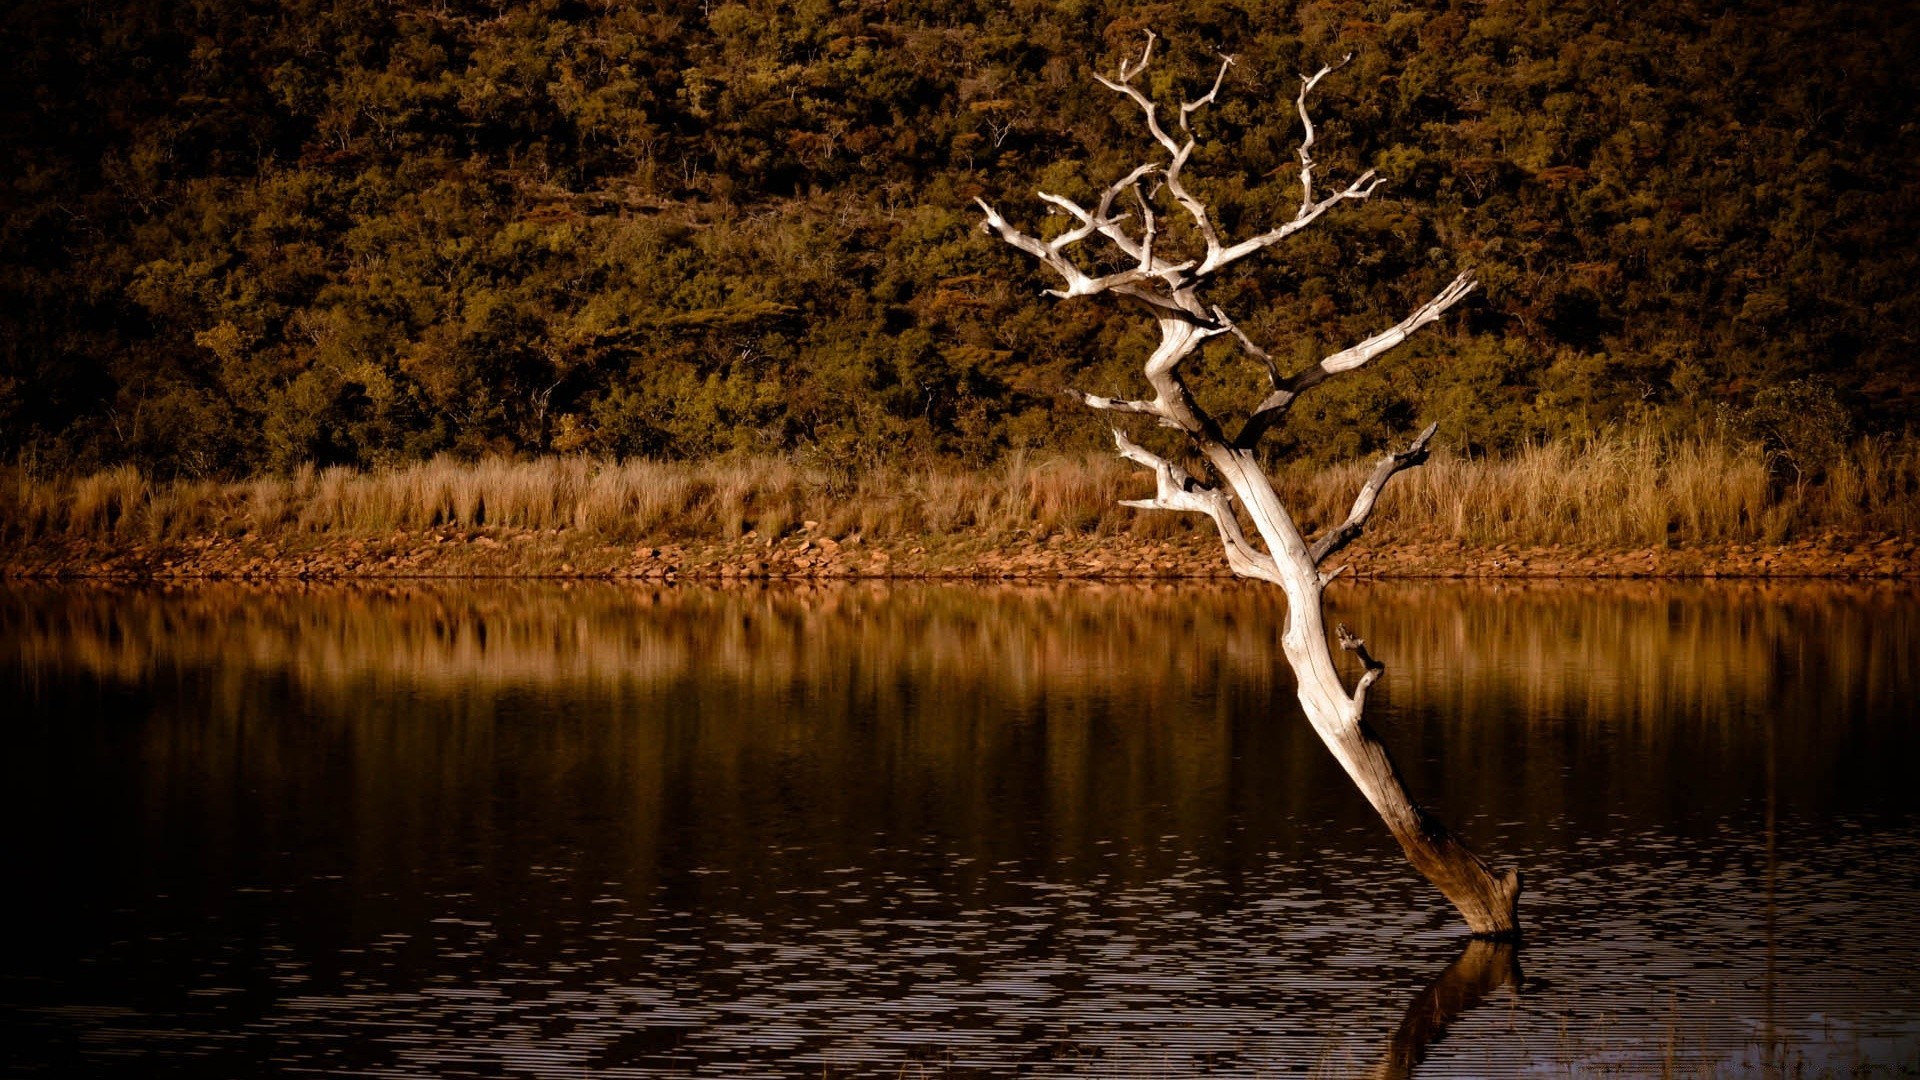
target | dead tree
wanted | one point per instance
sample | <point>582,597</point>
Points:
<point>1168,285</point>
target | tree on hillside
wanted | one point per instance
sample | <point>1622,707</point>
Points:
<point>1162,270</point>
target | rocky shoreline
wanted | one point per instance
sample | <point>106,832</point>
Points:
<point>559,553</point>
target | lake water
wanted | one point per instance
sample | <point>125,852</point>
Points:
<point>877,830</point>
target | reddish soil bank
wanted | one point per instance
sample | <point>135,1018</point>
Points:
<point>565,554</point>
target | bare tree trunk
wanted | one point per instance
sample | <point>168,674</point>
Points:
<point>1169,290</point>
<point>1487,902</point>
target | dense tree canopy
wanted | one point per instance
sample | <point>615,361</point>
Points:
<point>246,234</point>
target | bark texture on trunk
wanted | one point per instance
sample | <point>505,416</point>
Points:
<point>1168,288</point>
<point>1488,901</point>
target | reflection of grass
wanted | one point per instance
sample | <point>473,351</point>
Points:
<point>1631,490</point>
<point>461,636</point>
<point>1651,659</point>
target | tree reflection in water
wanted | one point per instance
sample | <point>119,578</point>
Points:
<point>1481,968</point>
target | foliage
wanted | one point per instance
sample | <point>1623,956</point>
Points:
<point>240,236</point>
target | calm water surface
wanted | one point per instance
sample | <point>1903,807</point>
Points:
<point>886,831</point>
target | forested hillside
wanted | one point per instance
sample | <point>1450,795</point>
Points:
<point>243,235</point>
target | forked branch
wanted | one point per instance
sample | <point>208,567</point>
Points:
<point>1101,219</point>
<point>1157,281</point>
<point>1307,83</point>
<point>1349,530</point>
<point>1272,410</point>
<point>1078,281</point>
<point>1352,643</point>
<point>1176,489</point>
<point>1177,152</point>
<point>1361,188</point>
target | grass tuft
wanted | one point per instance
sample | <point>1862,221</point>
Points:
<point>1631,489</point>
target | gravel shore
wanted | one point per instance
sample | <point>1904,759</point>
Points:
<point>532,553</point>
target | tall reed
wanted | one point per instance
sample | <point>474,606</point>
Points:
<point>1625,489</point>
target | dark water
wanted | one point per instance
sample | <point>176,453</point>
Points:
<point>607,832</point>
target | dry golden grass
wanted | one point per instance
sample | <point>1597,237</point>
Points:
<point>1625,490</point>
<point>1639,490</point>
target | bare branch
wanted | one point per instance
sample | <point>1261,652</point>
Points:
<point>1306,143</point>
<point>1273,369</point>
<point>1148,230</point>
<point>1146,55</point>
<point>1359,189</point>
<point>1309,209</point>
<point>1119,281</point>
<point>1119,405</point>
<point>1045,253</point>
<point>1101,219</point>
<point>1177,151</point>
<point>1349,530</point>
<point>1274,408</point>
<point>1348,359</point>
<point>1352,643</point>
<point>1124,85</point>
<point>1175,489</point>
<point>1187,109</point>
<point>1078,282</point>
<point>1089,224</point>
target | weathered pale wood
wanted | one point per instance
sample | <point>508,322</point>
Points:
<point>1286,391</point>
<point>1169,290</point>
<point>1349,530</point>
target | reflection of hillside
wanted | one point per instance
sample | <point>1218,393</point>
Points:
<point>459,635</point>
<point>1643,653</point>
<point>1558,650</point>
<point>956,712</point>
<point>1131,708</point>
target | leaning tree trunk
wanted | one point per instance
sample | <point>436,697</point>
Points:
<point>1169,291</point>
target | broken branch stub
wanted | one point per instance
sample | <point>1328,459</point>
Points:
<point>1167,287</point>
